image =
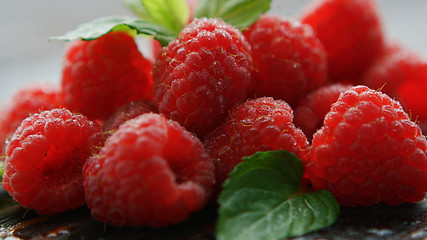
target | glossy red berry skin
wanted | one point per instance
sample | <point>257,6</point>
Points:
<point>369,151</point>
<point>260,124</point>
<point>202,73</point>
<point>151,172</point>
<point>350,31</point>
<point>45,158</point>
<point>290,61</point>
<point>99,76</point>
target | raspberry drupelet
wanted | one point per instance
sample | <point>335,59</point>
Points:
<point>150,172</point>
<point>127,112</point>
<point>312,109</point>
<point>155,45</point>
<point>369,151</point>
<point>260,124</point>
<point>99,76</point>
<point>402,75</point>
<point>202,73</point>
<point>45,158</point>
<point>26,101</point>
<point>290,61</point>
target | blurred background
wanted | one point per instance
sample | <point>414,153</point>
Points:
<point>27,56</point>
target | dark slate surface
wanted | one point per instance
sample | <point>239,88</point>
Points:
<point>407,221</point>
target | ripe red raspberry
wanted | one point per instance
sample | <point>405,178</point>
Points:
<point>155,45</point>
<point>351,33</point>
<point>127,112</point>
<point>45,157</point>
<point>260,124</point>
<point>312,109</point>
<point>201,74</point>
<point>289,59</point>
<point>26,101</point>
<point>369,151</point>
<point>402,75</point>
<point>150,172</point>
<point>101,75</point>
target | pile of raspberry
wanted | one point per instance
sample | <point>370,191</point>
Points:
<point>149,143</point>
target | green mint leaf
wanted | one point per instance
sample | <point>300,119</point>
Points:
<point>239,13</point>
<point>170,14</point>
<point>104,25</point>
<point>263,199</point>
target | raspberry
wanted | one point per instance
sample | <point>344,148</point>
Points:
<point>290,60</point>
<point>26,101</point>
<point>260,124</point>
<point>351,33</point>
<point>45,157</point>
<point>126,112</point>
<point>312,109</point>
<point>369,151</point>
<point>202,73</point>
<point>101,75</point>
<point>402,75</point>
<point>155,47</point>
<point>150,172</point>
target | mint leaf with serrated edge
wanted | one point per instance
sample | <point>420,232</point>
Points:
<point>263,199</point>
<point>239,13</point>
<point>170,14</point>
<point>101,26</point>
